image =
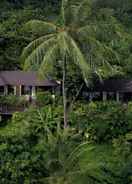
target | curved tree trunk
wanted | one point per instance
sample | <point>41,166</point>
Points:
<point>64,93</point>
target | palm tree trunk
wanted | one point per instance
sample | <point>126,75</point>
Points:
<point>64,93</point>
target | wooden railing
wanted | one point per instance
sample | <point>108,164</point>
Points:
<point>8,109</point>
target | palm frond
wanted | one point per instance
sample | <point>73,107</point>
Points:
<point>87,30</point>
<point>34,59</point>
<point>38,26</point>
<point>33,45</point>
<point>47,65</point>
<point>79,59</point>
<point>97,53</point>
<point>76,153</point>
<point>63,45</point>
<point>103,65</point>
<point>111,54</point>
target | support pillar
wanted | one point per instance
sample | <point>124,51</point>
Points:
<point>20,90</point>
<point>117,97</point>
<point>15,90</point>
<point>5,90</point>
<point>33,93</point>
<point>104,96</point>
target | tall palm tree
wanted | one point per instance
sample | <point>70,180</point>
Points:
<point>64,42</point>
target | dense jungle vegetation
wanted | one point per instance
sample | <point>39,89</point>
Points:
<point>96,145</point>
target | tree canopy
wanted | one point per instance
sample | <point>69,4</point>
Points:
<point>116,15</point>
<point>88,37</point>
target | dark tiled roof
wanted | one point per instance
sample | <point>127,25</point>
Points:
<point>23,78</point>
<point>111,85</point>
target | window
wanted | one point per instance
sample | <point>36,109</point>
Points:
<point>1,90</point>
<point>11,90</point>
<point>26,90</point>
<point>111,96</point>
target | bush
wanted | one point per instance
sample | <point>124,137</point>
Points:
<point>29,146</point>
<point>102,122</point>
<point>44,98</point>
<point>12,100</point>
<point>34,147</point>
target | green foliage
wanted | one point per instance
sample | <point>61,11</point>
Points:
<point>102,122</point>
<point>44,98</point>
<point>35,149</point>
<point>78,40</point>
<point>12,100</point>
<point>12,36</point>
<point>111,22</point>
<point>97,147</point>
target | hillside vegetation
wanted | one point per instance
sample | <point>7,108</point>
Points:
<point>92,38</point>
<point>15,13</point>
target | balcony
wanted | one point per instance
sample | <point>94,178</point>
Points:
<point>9,110</point>
<point>11,103</point>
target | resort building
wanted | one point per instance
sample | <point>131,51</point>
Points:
<point>27,85</point>
<point>112,89</point>
<point>23,83</point>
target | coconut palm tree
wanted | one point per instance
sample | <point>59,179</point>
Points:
<point>65,42</point>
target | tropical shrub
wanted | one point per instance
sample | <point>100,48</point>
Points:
<point>12,100</point>
<point>44,98</point>
<point>102,122</point>
<point>35,149</point>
